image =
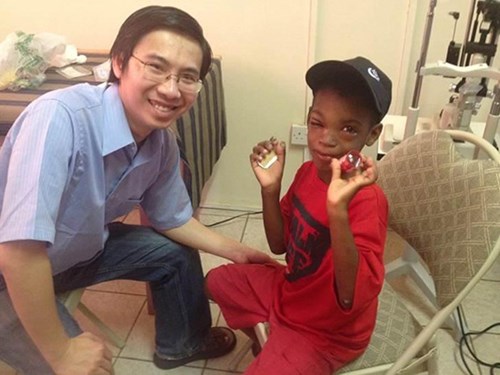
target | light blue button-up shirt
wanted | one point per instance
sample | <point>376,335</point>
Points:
<point>69,166</point>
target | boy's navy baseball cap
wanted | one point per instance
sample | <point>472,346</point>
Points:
<point>377,82</point>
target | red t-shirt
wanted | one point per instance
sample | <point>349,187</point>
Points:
<point>306,299</point>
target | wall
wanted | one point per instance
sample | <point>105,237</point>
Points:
<point>266,47</point>
<point>263,45</point>
<point>375,29</point>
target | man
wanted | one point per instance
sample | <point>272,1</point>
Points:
<point>78,158</point>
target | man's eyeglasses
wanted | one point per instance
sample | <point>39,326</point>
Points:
<point>186,82</point>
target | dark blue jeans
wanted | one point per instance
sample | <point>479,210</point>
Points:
<point>134,253</point>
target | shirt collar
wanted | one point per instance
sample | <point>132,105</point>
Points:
<point>116,132</point>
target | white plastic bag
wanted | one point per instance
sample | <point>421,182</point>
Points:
<point>24,58</point>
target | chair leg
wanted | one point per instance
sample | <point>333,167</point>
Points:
<point>113,337</point>
<point>433,362</point>
<point>410,263</point>
<point>72,301</point>
<point>261,333</point>
<point>145,222</point>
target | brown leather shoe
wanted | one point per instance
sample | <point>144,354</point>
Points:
<point>219,341</point>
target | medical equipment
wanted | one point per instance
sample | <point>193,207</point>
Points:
<point>472,64</point>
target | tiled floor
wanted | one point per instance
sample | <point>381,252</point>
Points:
<point>122,305</point>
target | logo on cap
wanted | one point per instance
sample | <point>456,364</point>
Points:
<point>372,72</point>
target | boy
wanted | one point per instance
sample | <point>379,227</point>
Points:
<point>78,158</point>
<point>321,307</point>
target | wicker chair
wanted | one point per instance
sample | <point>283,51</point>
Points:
<point>447,208</point>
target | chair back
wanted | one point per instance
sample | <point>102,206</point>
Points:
<point>445,206</point>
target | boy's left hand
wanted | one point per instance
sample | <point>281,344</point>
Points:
<point>341,190</point>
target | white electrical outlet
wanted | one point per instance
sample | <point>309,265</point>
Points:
<point>298,135</point>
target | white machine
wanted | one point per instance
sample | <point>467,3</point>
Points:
<point>472,63</point>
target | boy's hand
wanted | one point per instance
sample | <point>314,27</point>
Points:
<point>272,175</point>
<point>342,190</point>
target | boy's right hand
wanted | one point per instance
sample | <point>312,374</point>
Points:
<point>268,177</point>
<point>87,354</point>
<point>341,189</point>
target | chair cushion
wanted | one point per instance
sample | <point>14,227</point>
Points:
<point>394,331</point>
<point>444,205</point>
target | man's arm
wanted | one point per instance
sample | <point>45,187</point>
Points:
<point>27,272</point>
<point>26,269</point>
<point>196,235</point>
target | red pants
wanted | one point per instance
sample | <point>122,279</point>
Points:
<point>245,295</point>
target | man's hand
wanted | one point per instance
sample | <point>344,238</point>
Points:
<point>249,255</point>
<point>87,354</point>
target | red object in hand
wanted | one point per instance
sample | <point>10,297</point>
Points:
<point>351,161</point>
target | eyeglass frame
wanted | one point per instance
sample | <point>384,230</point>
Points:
<point>197,84</point>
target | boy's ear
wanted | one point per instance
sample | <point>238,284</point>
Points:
<point>374,134</point>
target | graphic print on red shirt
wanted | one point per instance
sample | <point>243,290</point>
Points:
<point>308,245</point>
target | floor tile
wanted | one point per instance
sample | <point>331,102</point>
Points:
<point>217,318</point>
<point>217,372</point>
<point>6,369</point>
<point>121,286</point>
<point>140,342</point>
<point>125,366</point>
<point>449,361</point>
<point>255,236</point>
<point>118,311</point>
<point>220,212</point>
<point>494,272</point>
<point>482,305</point>
<point>486,349</point>
<point>229,362</point>
<point>232,228</point>
<point>210,261</point>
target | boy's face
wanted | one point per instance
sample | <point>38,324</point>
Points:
<point>150,105</point>
<point>336,125</point>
